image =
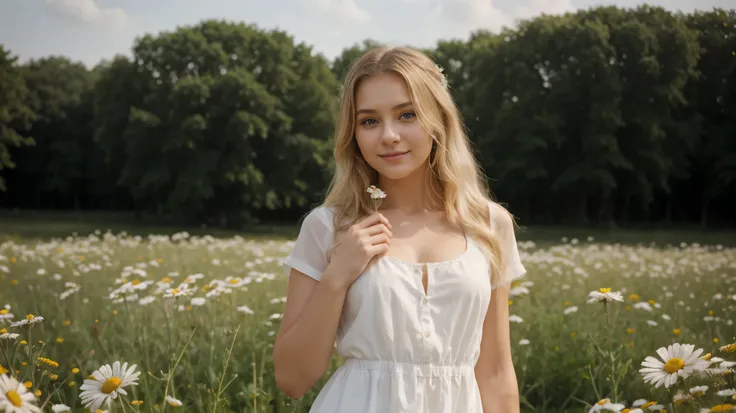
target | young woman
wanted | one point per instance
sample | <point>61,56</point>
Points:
<point>409,292</point>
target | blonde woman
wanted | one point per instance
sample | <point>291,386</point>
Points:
<point>414,293</point>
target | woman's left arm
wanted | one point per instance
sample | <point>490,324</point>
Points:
<point>494,370</point>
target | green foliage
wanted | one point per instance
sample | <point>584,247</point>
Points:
<point>602,116</point>
<point>15,115</point>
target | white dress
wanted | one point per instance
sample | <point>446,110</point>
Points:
<point>406,351</point>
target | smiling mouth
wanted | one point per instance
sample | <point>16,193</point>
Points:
<point>394,155</point>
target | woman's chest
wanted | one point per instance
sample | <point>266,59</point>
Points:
<point>390,284</point>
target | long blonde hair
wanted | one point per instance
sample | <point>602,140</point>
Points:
<point>462,185</point>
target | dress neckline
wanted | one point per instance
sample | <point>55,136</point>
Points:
<point>468,246</point>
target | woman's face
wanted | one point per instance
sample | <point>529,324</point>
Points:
<point>387,130</point>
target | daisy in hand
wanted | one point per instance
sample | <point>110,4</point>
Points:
<point>376,196</point>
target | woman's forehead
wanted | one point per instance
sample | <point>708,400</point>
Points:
<point>382,91</point>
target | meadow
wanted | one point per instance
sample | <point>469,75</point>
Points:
<point>197,315</point>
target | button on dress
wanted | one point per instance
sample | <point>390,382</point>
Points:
<point>406,350</point>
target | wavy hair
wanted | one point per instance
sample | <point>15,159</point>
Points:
<point>452,165</point>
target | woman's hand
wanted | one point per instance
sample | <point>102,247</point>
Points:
<point>358,245</point>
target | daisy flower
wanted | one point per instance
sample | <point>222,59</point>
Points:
<point>604,295</point>
<point>107,383</point>
<point>681,397</point>
<point>720,408</point>
<point>678,360</point>
<point>59,408</point>
<point>29,320</point>
<point>605,405</point>
<point>698,391</point>
<point>376,195</point>
<point>173,402</point>
<point>4,335</point>
<point>15,397</point>
<point>730,348</point>
<point>182,290</point>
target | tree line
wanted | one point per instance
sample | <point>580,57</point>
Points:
<point>603,116</point>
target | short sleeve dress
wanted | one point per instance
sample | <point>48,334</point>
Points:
<point>406,350</point>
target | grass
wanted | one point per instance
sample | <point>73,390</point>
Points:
<point>102,298</point>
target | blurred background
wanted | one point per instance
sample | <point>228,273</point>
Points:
<point>220,114</point>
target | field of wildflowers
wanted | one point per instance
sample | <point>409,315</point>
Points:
<point>122,323</point>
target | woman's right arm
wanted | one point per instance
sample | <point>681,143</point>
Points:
<point>306,337</point>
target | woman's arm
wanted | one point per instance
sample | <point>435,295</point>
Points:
<point>494,371</point>
<point>306,338</point>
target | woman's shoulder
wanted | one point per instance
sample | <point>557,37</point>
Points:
<point>500,217</point>
<point>319,217</point>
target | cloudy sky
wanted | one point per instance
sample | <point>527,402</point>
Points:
<point>90,30</point>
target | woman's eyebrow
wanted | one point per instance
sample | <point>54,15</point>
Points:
<point>399,106</point>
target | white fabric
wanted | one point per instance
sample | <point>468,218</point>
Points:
<point>406,351</point>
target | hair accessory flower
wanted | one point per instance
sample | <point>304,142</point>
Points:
<point>376,196</point>
<point>442,73</point>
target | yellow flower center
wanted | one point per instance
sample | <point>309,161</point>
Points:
<point>166,280</point>
<point>651,302</point>
<point>730,348</point>
<point>605,290</point>
<point>645,405</point>
<point>674,365</point>
<point>175,291</point>
<point>706,357</point>
<point>30,317</point>
<point>233,281</point>
<point>14,398</point>
<point>135,282</point>
<point>111,385</point>
<point>4,311</point>
<point>676,331</point>
<point>722,408</point>
<point>604,401</point>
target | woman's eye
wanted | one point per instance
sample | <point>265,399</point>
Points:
<point>367,121</point>
<point>408,115</point>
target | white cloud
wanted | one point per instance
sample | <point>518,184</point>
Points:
<point>534,8</point>
<point>347,9</point>
<point>473,14</point>
<point>87,11</point>
<point>469,15</point>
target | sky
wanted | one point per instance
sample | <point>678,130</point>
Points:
<point>92,30</point>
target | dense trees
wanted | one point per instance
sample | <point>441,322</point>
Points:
<point>607,115</point>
